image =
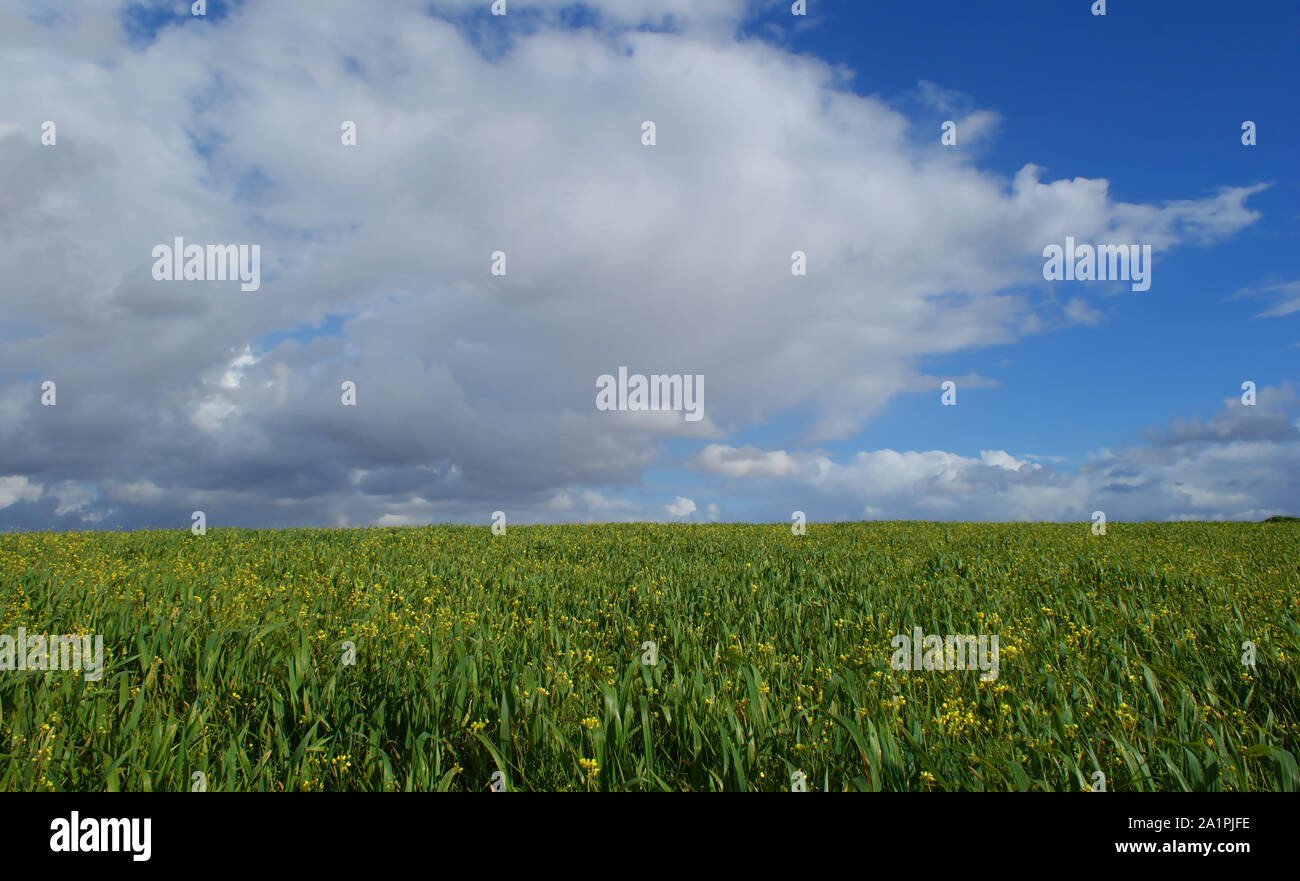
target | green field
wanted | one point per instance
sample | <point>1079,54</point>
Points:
<point>523,653</point>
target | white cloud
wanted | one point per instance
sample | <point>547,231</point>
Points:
<point>1243,463</point>
<point>1080,313</point>
<point>1287,304</point>
<point>137,493</point>
<point>480,389</point>
<point>1001,459</point>
<point>18,489</point>
<point>72,496</point>
<point>680,507</point>
<point>746,461</point>
<point>235,373</point>
<point>399,520</point>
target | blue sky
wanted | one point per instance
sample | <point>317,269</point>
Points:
<point>1150,97</point>
<point>521,132</point>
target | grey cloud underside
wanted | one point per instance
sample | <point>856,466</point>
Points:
<point>474,392</point>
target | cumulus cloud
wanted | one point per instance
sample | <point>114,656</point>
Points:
<point>476,392</point>
<point>72,496</point>
<point>1266,420</point>
<point>18,489</point>
<point>680,507</point>
<point>746,461</point>
<point>1243,463</point>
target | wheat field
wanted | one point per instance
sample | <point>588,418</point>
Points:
<point>656,657</point>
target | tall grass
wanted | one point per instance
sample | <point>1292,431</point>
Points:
<point>523,653</point>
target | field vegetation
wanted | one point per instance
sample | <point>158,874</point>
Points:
<point>525,654</point>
